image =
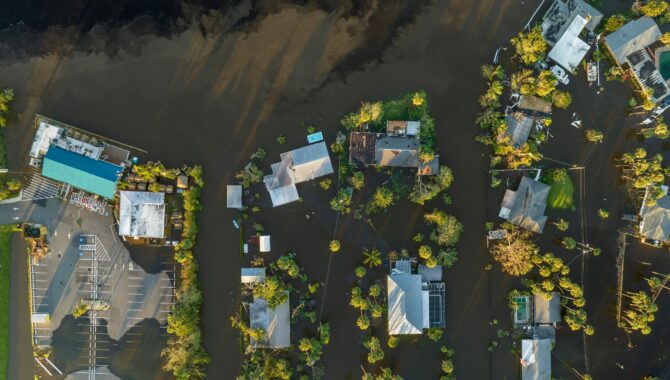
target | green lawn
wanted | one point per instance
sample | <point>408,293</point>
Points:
<point>560,195</point>
<point>5,241</point>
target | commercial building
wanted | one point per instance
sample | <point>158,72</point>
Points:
<point>142,214</point>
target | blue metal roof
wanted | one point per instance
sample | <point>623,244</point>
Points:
<point>82,172</point>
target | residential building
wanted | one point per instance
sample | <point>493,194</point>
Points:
<point>547,311</point>
<point>562,24</point>
<point>142,214</point>
<point>632,45</point>
<point>399,147</point>
<point>415,301</point>
<point>275,322</point>
<point>536,359</point>
<point>252,275</point>
<point>296,166</point>
<point>82,172</point>
<point>655,219</point>
<point>525,207</point>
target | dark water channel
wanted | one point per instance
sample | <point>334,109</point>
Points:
<point>263,68</point>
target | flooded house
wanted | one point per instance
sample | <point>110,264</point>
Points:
<point>525,207</point>
<point>297,166</point>
<point>562,25</point>
<point>142,214</point>
<point>415,301</point>
<point>275,322</point>
<point>635,46</point>
<point>398,147</point>
<point>655,220</point>
<point>535,359</point>
<point>234,197</point>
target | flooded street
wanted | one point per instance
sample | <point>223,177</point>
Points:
<point>212,93</point>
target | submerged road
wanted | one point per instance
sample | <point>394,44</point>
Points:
<point>213,98</point>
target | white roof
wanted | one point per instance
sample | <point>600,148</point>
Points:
<point>536,359</point>
<point>234,196</point>
<point>251,275</point>
<point>40,318</point>
<point>43,137</point>
<point>142,214</point>
<point>413,128</point>
<point>405,311</point>
<point>570,49</point>
<point>276,323</point>
<point>264,243</point>
<point>309,162</point>
<point>283,195</point>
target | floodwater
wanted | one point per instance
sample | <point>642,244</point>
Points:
<point>212,91</point>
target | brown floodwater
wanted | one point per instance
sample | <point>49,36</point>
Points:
<point>212,92</point>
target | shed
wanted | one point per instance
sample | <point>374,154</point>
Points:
<point>547,311</point>
<point>95,176</point>
<point>142,214</point>
<point>264,243</point>
<point>275,322</point>
<point>405,310</point>
<point>251,275</point>
<point>234,196</point>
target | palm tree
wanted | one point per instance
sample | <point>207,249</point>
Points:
<point>373,257</point>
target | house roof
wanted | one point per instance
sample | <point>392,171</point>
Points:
<point>362,148</point>
<point>547,311</point>
<point>43,138</point>
<point>570,50</point>
<point>309,162</point>
<point>633,36</point>
<point>648,74</point>
<point>405,312</point>
<point>535,359</point>
<point>519,126</point>
<point>402,128</point>
<point>142,214</point>
<point>533,104</point>
<point>560,14</point>
<point>397,151</point>
<point>251,275</point>
<point>234,196</point>
<point>275,322</point>
<point>430,274</point>
<point>655,222</point>
<point>525,207</point>
<point>95,176</point>
<point>430,168</point>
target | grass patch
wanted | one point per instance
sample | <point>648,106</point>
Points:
<point>562,189</point>
<point>5,254</point>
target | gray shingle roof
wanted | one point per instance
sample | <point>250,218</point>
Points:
<point>632,37</point>
<point>527,205</point>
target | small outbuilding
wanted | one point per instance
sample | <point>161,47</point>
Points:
<point>252,275</point>
<point>234,196</point>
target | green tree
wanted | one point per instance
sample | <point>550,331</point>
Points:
<point>659,131</point>
<point>514,251</point>
<point>435,333</point>
<point>375,352</point>
<point>603,214</point>
<point>425,252</point>
<point>360,271</point>
<point>357,180</point>
<point>310,350</point>
<point>372,257</point>
<point>561,99</point>
<point>546,83</point>
<point>324,333</point>
<point>363,322</point>
<point>381,198</point>
<point>393,341</point>
<point>530,47</point>
<point>334,246</point>
<point>569,243</point>
<point>614,22</point>
<point>653,8</point>
<point>272,290</point>
<point>562,224</point>
<point>593,135</point>
<point>665,38</point>
<point>342,202</point>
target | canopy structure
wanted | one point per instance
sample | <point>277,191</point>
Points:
<point>85,173</point>
<point>405,311</point>
<point>142,214</point>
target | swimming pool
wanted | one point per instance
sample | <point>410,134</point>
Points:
<point>664,64</point>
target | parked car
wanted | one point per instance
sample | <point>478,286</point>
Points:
<point>651,242</point>
<point>591,38</point>
<point>560,74</point>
